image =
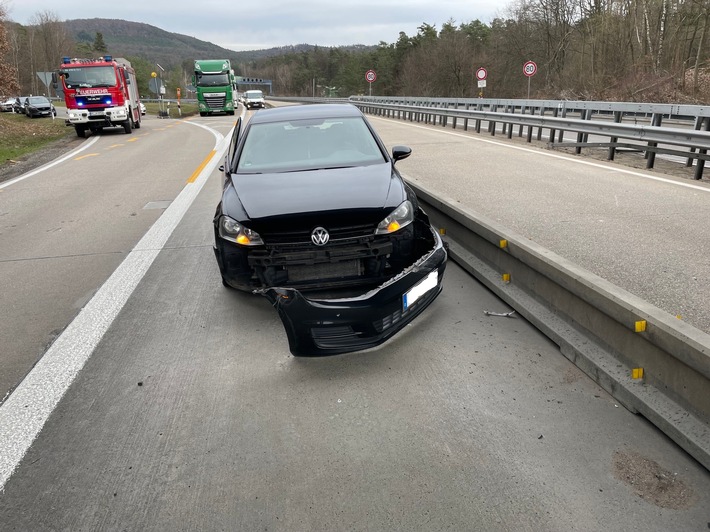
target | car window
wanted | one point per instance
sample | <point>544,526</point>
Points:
<point>308,145</point>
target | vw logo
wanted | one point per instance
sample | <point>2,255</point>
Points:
<point>320,236</point>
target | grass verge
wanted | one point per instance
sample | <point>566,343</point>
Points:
<point>20,135</point>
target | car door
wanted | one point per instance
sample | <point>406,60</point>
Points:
<point>231,151</point>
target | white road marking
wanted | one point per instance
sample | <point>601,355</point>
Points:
<point>29,406</point>
<point>84,146</point>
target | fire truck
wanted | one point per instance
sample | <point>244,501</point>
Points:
<point>99,93</point>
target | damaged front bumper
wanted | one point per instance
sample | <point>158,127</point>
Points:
<point>331,326</point>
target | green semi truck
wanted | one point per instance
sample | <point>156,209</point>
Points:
<point>216,86</point>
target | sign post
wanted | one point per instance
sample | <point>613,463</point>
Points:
<point>370,77</point>
<point>481,75</point>
<point>529,69</point>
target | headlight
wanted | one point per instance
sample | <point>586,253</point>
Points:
<point>237,233</point>
<point>401,217</point>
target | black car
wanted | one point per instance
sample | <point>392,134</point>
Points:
<point>315,217</point>
<point>38,106</point>
<point>19,105</point>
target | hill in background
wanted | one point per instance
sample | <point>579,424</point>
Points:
<point>125,38</point>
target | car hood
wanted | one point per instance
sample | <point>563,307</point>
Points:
<point>372,189</point>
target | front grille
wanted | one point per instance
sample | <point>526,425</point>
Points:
<point>326,270</point>
<point>307,254</point>
<point>215,102</point>
<point>353,232</point>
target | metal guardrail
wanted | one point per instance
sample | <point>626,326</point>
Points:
<point>604,330</point>
<point>650,138</point>
<point>688,139</point>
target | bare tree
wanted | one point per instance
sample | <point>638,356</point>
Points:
<point>50,41</point>
<point>8,73</point>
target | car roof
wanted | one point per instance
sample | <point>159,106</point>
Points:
<point>300,112</point>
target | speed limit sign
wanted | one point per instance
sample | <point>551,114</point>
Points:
<point>530,68</point>
<point>370,76</point>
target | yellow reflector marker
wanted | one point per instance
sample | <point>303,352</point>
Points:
<point>637,373</point>
<point>243,239</point>
<point>442,230</point>
<point>503,244</point>
<point>506,277</point>
<point>640,326</point>
<point>392,227</point>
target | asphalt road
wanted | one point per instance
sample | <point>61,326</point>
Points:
<point>190,414</point>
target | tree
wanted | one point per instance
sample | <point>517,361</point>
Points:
<point>99,44</point>
<point>49,41</point>
<point>8,72</point>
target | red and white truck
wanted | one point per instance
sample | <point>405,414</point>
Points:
<point>99,93</point>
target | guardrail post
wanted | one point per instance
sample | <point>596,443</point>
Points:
<point>492,125</point>
<point>582,137</point>
<point>613,140</point>
<point>656,120</point>
<point>479,107</point>
<point>523,110</point>
<point>701,162</point>
<point>561,134</point>
<point>539,130</point>
<point>699,121</point>
<point>555,112</point>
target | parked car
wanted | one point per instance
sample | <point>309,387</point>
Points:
<point>39,106</point>
<point>315,217</point>
<point>142,108</point>
<point>19,105</point>
<point>6,106</point>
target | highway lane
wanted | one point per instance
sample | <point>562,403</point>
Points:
<point>191,415</point>
<point>64,230</point>
<point>644,231</point>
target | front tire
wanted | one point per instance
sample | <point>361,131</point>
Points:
<point>80,131</point>
<point>127,127</point>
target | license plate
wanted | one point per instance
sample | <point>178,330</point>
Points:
<point>96,113</point>
<point>421,288</point>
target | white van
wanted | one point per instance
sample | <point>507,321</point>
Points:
<point>254,99</point>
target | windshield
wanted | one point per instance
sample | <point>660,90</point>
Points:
<point>308,145</point>
<point>87,77</point>
<point>38,99</point>
<point>253,95</point>
<point>212,80</point>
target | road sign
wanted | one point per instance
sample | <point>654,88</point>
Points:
<point>481,74</point>
<point>370,76</point>
<point>530,68</point>
<point>481,83</point>
<point>156,85</point>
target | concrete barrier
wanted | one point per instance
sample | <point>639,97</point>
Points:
<point>651,362</point>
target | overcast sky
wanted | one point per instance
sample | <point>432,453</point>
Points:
<point>252,25</point>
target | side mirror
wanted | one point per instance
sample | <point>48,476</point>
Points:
<point>401,152</point>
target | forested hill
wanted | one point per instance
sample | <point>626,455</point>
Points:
<point>124,38</point>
